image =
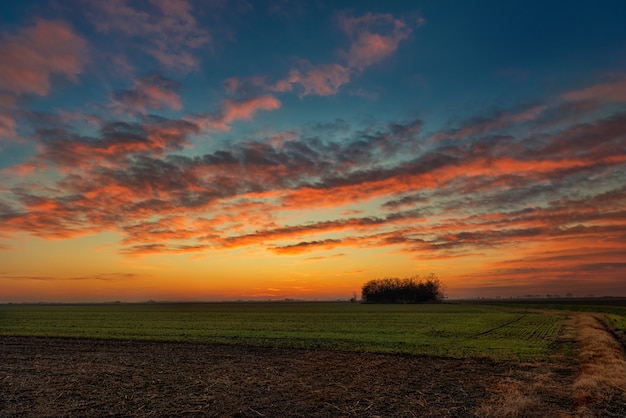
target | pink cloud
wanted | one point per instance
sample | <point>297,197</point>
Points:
<point>179,61</point>
<point>7,126</point>
<point>122,65</point>
<point>245,109</point>
<point>233,110</point>
<point>158,97</point>
<point>7,101</point>
<point>278,139</point>
<point>245,87</point>
<point>169,29</point>
<point>31,57</point>
<point>282,86</point>
<point>488,191</point>
<point>374,38</point>
<point>78,117</point>
<point>323,80</point>
<point>24,169</point>
<point>611,92</point>
<point>67,152</point>
<point>153,92</point>
<point>503,120</point>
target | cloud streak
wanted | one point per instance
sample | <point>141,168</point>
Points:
<point>374,37</point>
<point>178,159</point>
<point>321,80</point>
<point>149,93</point>
<point>98,277</point>
<point>30,58</point>
<point>454,197</point>
<point>35,53</point>
<point>167,31</point>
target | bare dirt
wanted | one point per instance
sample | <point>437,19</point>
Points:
<point>57,377</point>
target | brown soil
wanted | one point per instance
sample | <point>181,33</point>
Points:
<point>58,377</point>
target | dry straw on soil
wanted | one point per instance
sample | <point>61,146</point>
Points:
<point>82,377</point>
<point>599,389</point>
<point>602,374</point>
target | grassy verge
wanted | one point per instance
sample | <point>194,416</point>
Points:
<point>451,330</point>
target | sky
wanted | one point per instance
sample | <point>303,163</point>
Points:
<point>256,150</point>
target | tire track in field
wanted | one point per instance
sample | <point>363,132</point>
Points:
<point>506,324</point>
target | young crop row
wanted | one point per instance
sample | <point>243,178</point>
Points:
<point>442,330</point>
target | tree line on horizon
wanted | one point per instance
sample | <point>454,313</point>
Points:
<point>412,289</point>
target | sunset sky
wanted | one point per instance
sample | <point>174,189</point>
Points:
<point>210,150</point>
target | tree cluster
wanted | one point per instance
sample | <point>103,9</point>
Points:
<point>408,290</point>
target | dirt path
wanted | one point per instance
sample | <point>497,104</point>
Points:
<point>42,377</point>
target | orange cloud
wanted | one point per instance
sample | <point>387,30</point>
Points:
<point>147,249</point>
<point>233,110</point>
<point>358,225</point>
<point>156,136</point>
<point>245,109</point>
<point>168,228</point>
<point>449,200</point>
<point>562,270</point>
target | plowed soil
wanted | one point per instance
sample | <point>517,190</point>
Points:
<point>56,377</point>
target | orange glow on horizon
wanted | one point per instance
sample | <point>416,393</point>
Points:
<point>141,159</point>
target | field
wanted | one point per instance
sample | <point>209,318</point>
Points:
<point>450,330</point>
<point>309,359</point>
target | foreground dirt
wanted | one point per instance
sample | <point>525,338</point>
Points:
<point>51,377</point>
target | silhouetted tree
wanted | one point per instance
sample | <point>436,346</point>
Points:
<point>408,290</point>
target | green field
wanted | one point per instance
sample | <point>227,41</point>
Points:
<point>614,309</point>
<point>452,330</point>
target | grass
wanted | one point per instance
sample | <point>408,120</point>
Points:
<point>451,330</point>
<point>614,310</point>
<point>617,320</point>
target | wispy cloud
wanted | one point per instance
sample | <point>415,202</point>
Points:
<point>245,109</point>
<point>374,37</point>
<point>30,58</point>
<point>151,92</point>
<point>542,180</point>
<point>98,277</point>
<point>322,80</point>
<point>168,30</point>
<point>35,53</point>
<point>610,91</point>
<point>461,195</point>
<point>327,244</point>
<point>147,249</point>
